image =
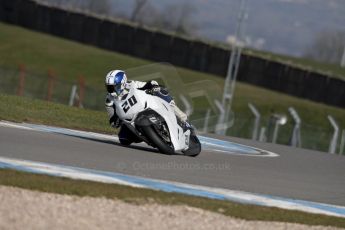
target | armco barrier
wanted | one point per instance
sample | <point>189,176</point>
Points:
<point>90,33</point>
<point>142,43</point>
<point>2,14</point>
<point>161,47</point>
<point>43,19</point>
<point>179,51</point>
<point>158,46</point>
<point>336,90</point>
<point>10,10</point>
<point>217,60</point>
<point>198,56</point>
<point>317,84</point>
<point>298,81</point>
<point>57,22</point>
<point>27,10</point>
<point>106,35</point>
<point>249,71</point>
<point>255,65</point>
<point>123,39</point>
<point>74,26</point>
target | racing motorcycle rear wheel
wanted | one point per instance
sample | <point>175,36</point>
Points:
<point>158,141</point>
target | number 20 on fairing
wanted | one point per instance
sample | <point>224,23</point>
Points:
<point>129,103</point>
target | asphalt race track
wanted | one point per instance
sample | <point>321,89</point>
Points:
<point>295,173</point>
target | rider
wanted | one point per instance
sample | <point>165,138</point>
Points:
<point>117,87</point>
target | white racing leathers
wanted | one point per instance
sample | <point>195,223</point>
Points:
<point>109,101</point>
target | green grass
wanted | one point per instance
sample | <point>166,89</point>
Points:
<point>40,52</point>
<point>140,196</point>
<point>18,109</point>
<point>268,101</point>
<point>21,109</point>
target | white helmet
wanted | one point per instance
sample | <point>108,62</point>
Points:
<point>115,82</point>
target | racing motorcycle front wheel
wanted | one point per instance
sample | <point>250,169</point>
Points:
<point>194,146</point>
<point>158,141</point>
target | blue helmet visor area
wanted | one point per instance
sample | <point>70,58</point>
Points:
<point>116,84</point>
<point>118,89</point>
<point>114,89</point>
<point>119,77</point>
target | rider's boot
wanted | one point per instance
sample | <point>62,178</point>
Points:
<point>182,119</point>
<point>178,112</point>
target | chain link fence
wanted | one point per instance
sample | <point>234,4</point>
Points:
<point>312,137</point>
<point>49,87</point>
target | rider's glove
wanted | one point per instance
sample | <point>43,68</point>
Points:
<point>153,90</point>
<point>156,89</point>
<point>154,83</point>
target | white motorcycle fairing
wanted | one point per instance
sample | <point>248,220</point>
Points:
<point>136,101</point>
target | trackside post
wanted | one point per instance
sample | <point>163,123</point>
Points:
<point>256,113</point>
<point>22,74</point>
<point>81,90</point>
<point>51,80</point>
<point>334,140</point>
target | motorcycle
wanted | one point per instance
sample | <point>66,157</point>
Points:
<point>151,119</point>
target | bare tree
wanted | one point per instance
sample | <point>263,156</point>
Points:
<point>328,46</point>
<point>138,7</point>
<point>95,6</point>
<point>184,23</point>
<point>176,18</point>
<point>99,6</point>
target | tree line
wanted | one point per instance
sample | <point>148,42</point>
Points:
<point>175,17</point>
<point>327,46</point>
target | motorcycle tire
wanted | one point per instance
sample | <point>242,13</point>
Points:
<point>194,147</point>
<point>152,135</point>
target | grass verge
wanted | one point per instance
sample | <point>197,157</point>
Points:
<point>18,109</point>
<point>317,136</point>
<point>58,185</point>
